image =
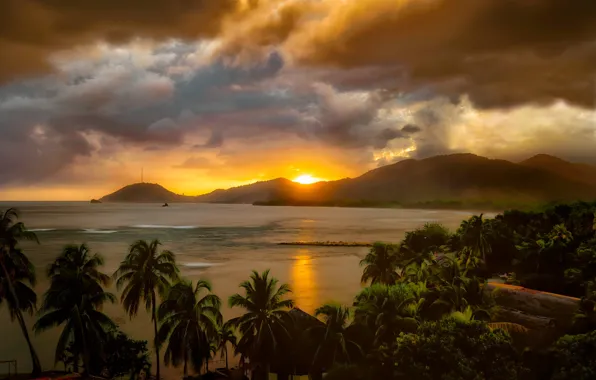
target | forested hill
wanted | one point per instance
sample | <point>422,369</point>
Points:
<point>457,177</point>
<point>145,192</point>
<point>449,178</point>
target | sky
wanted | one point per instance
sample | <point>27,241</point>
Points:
<point>205,94</point>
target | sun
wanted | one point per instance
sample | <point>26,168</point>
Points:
<point>306,179</point>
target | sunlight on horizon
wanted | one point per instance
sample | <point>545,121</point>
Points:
<point>307,179</point>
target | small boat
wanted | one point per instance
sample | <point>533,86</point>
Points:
<point>165,205</point>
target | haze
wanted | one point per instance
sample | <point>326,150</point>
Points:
<point>214,94</point>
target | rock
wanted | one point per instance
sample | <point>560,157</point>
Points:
<point>95,201</point>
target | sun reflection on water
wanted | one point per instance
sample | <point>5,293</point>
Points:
<point>303,282</point>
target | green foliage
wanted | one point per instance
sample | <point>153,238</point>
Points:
<point>226,336</point>
<point>456,291</point>
<point>380,264</point>
<point>473,234</point>
<point>574,357</point>
<point>543,261</point>
<point>189,324</point>
<point>450,349</point>
<point>73,301</point>
<point>124,356</point>
<point>142,273</point>
<point>386,311</point>
<point>554,247</point>
<point>17,276</point>
<point>21,277</point>
<point>264,326</point>
<point>428,239</point>
<point>336,339</point>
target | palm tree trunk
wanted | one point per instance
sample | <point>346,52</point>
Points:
<point>185,365</point>
<point>83,342</point>
<point>155,343</point>
<point>226,352</point>
<point>35,364</point>
<point>36,371</point>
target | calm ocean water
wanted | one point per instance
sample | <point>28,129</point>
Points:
<point>221,243</point>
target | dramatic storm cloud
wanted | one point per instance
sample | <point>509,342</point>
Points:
<point>206,94</point>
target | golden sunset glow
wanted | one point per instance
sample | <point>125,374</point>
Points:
<point>307,179</point>
<point>273,89</point>
<point>303,282</point>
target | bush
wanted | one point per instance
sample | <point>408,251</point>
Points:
<point>574,357</point>
<point>430,238</point>
<point>449,350</point>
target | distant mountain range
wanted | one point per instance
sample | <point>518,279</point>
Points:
<point>456,178</point>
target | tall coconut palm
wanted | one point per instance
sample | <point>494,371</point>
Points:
<point>144,273</point>
<point>189,320</point>
<point>380,264</point>
<point>265,323</point>
<point>74,299</point>
<point>336,343</point>
<point>226,336</point>
<point>16,268</point>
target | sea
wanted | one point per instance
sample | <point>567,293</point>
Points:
<point>216,242</point>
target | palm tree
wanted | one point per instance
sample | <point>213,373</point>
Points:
<point>456,291</point>
<point>381,264</point>
<point>474,237</point>
<point>518,333</point>
<point>335,339</point>
<point>16,268</point>
<point>385,311</point>
<point>189,323</point>
<point>74,300</point>
<point>226,336</point>
<point>265,324</point>
<point>146,272</point>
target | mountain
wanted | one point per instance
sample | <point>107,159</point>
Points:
<point>145,192</point>
<point>456,177</point>
<point>449,178</point>
<point>256,192</point>
<point>576,172</point>
<point>462,177</point>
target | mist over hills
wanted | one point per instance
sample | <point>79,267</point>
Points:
<point>456,177</point>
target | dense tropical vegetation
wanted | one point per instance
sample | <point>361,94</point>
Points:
<point>423,313</point>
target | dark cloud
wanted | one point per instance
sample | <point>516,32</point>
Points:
<point>37,153</point>
<point>501,53</point>
<point>215,140</point>
<point>410,128</point>
<point>58,119</point>
<point>33,29</point>
<point>349,120</point>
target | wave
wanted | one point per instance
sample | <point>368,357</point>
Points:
<point>94,231</point>
<point>164,226</point>
<point>41,229</point>
<point>200,265</point>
